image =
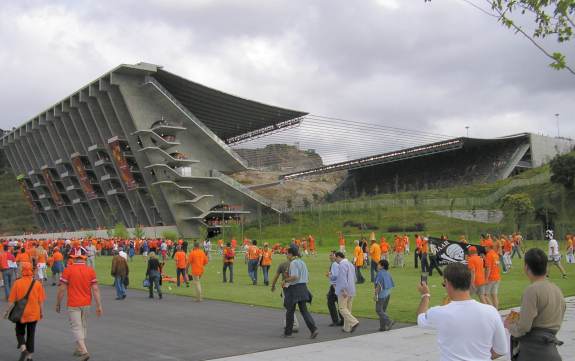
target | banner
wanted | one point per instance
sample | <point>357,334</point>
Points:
<point>448,251</point>
<point>83,176</point>
<point>26,192</point>
<point>122,164</point>
<point>52,188</point>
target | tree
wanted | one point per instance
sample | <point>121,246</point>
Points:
<point>306,202</point>
<point>517,208</point>
<point>551,17</point>
<point>120,231</point>
<point>138,232</point>
<point>563,170</point>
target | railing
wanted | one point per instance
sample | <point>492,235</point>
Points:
<point>234,183</point>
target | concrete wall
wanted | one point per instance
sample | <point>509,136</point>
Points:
<point>544,148</point>
<point>150,232</point>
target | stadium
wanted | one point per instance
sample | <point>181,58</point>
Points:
<point>142,146</point>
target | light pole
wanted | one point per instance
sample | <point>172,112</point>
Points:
<point>467,130</point>
<point>557,118</point>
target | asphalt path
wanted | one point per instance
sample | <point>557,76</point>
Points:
<point>173,329</point>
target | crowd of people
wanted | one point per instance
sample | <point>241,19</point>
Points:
<point>25,264</point>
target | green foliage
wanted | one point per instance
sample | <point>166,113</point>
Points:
<point>172,235</point>
<point>121,231</point>
<point>518,208</point>
<point>138,232</point>
<point>563,170</point>
<point>306,202</point>
<point>551,17</point>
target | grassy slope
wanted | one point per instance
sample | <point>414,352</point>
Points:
<point>15,215</point>
<point>403,303</point>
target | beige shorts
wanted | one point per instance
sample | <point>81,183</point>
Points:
<point>492,288</point>
<point>78,317</point>
<point>479,290</point>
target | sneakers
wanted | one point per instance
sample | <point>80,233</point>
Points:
<point>314,334</point>
<point>84,357</point>
<point>354,327</point>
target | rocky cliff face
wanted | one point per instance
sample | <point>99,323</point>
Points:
<point>280,157</point>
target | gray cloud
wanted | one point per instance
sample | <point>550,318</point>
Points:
<point>435,67</point>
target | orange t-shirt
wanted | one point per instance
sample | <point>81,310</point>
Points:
<point>311,243</point>
<point>492,263</point>
<point>37,297</point>
<point>253,252</point>
<point>198,260</point>
<point>399,246</point>
<point>41,257</point>
<point>57,256</point>
<point>180,258</point>
<point>475,264</point>
<point>424,246</point>
<point>384,247</point>
<point>22,257</point>
<point>507,246</point>
<point>375,252</point>
<point>234,243</point>
<point>358,254</point>
<point>341,241</point>
<point>267,257</point>
<point>79,278</point>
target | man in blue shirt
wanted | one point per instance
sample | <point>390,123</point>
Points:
<point>296,293</point>
<point>383,285</point>
<point>336,318</point>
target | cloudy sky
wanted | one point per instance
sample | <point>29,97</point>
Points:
<point>435,67</point>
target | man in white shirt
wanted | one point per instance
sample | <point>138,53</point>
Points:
<point>467,330</point>
<point>554,255</point>
<point>345,291</point>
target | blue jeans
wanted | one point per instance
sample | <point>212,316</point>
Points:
<point>8,277</point>
<point>373,271</point>
<point>120,288</point>
<point>253,270</point>
<point>266,272</point>
<point>154,278</point>
<point>229,266</point>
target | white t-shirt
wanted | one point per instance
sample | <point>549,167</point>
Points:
<point>553,247</point>
<point>467,330</point>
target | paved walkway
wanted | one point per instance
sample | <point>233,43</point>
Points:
<point>406,344</point>
<point>174,329</point>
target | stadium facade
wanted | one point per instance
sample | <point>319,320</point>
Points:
<point>141,146</point>
<point>448,163</point>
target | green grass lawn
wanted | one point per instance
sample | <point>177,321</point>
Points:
<point>403,302</point>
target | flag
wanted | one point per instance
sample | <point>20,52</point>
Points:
<point>448,251</point>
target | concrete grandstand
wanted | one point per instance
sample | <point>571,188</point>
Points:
<point>140,146</point>
<point>442,164</point>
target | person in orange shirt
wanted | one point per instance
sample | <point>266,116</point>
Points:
<point>197,260</point>
<point>26,328</point>
<point>311,243</point>
<point>384,246</point>
<point>358,262</point>
<point>81,285</point>
<point>569,248</point>
<point>234,243</point>
<point>57,265</point>
<point>423,253</point>
<point>266,262</point>
<point>406,243</point>
<point>375,256</point>
<point>417,252</point>
<point>398,249</point>
<point>253,256</point>
<point>341,242</point>
<point>181,266</point>
<point>507,249</point>
<point>41,259</point>
<point>229,254</point>
<point>475,265</point>
<point>492,274</point>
